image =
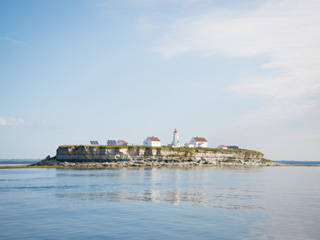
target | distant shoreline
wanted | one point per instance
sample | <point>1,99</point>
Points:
<point>118,166</point>
<point>145,164</point>
<point>123,165</point>
<point>311,163</point>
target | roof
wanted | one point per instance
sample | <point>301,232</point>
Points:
<point>122,141</point>
<point>154,139</point>
<point>200,139</point>
<point>223,146</point>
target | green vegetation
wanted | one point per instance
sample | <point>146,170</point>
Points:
<point>266,160</point>
<point>178,149</point>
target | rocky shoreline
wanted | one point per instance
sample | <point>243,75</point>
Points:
<point>82,156</point>
<point>145,163</point>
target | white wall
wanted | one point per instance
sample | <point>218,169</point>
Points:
<point>188,145</point>
<point>156,144</point>
<point>121,143</point>
<point>199,144</point>
<point>150,143</point>
<point>147,142</point>
<point>203,144</point>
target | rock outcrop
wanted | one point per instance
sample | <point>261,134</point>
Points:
<point>152,156</point>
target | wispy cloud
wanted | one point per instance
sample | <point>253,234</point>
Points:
<point>12,40</point>
<point>12,121</point>
<point>287,32</point>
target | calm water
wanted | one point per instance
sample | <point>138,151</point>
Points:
<point>10,162</point>
<point>299,162</point>
<point>212,203</point>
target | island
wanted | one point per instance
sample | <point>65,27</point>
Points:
<point>144,156</point>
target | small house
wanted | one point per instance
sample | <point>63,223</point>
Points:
<point>122,143</point>
<point>152,142</point>
<point>222,146</point>
<point>199,142</point>
<point>189,145</point>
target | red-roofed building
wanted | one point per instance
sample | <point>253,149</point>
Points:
<point>189,145</point>
<point>152,142</point>
<point>199,142</point>
<point>222,146</point>
<point>122,142</point>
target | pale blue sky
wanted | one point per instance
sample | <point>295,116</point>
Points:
<point>236,72</point>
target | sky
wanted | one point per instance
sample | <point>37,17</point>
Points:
<point>235,72</point>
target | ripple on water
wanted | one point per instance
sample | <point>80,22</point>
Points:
<point>268,203</point>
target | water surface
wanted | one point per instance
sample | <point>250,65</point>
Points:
<point>199,203</point>
<point>10,162</point>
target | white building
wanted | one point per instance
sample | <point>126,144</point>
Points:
<point>122,142</point>
<point>152,142</point>
<point>199,142</point>
<point>175,141</point>
<point>223,146</point>
<point>189,145</point>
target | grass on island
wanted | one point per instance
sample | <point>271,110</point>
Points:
<point>177,149</point>
<point>266,160</point>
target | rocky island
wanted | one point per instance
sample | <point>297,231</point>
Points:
<point>132,156</point>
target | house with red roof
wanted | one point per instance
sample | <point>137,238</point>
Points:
<point>199,142</point>
<point>122,142</point>
<point>223,146</point>
<point>189,145</point>
<point>152,142</point>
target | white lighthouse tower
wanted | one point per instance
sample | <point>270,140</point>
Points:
<point>175,141</point>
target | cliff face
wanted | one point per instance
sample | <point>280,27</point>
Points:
<point>83,154</point>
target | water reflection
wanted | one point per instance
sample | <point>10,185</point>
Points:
<point>174,186</point>
<point>158,196</point>
<point>266,203</point>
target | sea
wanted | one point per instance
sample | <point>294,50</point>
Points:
<point>161,203</point>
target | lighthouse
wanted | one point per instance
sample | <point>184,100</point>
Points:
<point>175,141</point>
